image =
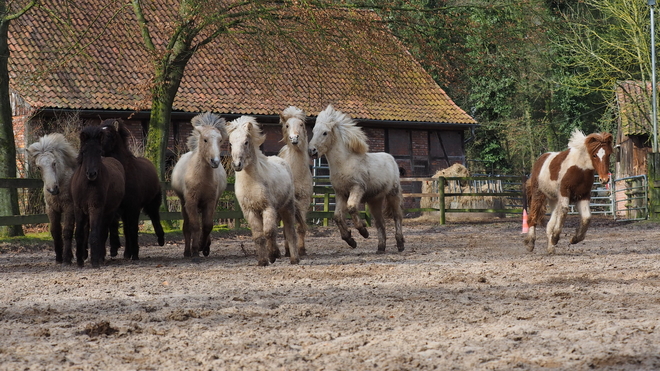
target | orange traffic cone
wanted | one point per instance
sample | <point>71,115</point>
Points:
<point>525,227</point>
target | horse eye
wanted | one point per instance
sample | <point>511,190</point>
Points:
<point>246,143</point>
<point>206,140</point>
<point>325,133</point>
<point>287,126</point>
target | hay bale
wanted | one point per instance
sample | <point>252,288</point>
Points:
<point>463,202</point>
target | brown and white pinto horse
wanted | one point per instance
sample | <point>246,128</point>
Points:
<point>566,177</point>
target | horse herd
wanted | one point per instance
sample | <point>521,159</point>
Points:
<point>91,189</point>
<point>103,182</point>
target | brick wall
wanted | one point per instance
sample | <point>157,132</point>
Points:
<point>375,139</point>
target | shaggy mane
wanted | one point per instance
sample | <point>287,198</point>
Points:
<point>292,112</point>
<point>249,124</point>
<point>207,119</point>
<point>349,132</point>
<point>56,144</point>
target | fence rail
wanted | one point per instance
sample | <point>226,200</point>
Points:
<point>478,194</point>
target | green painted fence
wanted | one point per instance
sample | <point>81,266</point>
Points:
<point>325,193</point>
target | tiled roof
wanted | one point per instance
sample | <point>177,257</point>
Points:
<point>634,107</point>
<point>239,73</point>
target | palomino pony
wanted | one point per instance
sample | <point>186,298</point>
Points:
<point>97,188</point>
<point>142,187</point>
<point>565,177</point>
<point>294,134</point>
<point>264,189</point>
<point>199,179</point>
<point>358,176</point>
<point>56,160</point>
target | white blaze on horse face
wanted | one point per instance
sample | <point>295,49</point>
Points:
<point>215,139</point>
<point>294,127</point>
<point>48,169</point>
<point>603,165</point>
<point>239,143</point>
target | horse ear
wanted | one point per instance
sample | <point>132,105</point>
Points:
<point>607,137</point>
<point>115,123</point>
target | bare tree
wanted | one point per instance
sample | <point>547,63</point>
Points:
<point>8,197</point>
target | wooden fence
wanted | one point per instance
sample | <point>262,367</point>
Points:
<point>326,194</point>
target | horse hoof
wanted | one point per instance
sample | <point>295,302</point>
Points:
<point>551,249</point>
<point>364,232</point>
<point>351,242</point>
<point>400,248</point>
<point>295,261</point>
<point>135,257</point>
<point>262,263</point>
<point>206,252</point>
<point>272,259</point>
<point>196,260</point>
<point>379,251</point>
<point>161,240</point>
<point>302,252</point>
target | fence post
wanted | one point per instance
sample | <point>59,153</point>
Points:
<point>653,168</point>
<point>326,207</point>
<point>441,198</point>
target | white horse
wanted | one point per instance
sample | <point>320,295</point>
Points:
<point>358,176</point>
<point>294,134</point>
<point>199,178</point>
<point>56,160</point>
<point>264,189</point>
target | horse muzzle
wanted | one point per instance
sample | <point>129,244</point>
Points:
<point>91,175</point>
<point>313,153</point>
<point>214,162</point>
<point>54,190</point>
<point>237,167</point>
<point>294,139</point>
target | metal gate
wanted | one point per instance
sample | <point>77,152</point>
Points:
<point>630,198</point>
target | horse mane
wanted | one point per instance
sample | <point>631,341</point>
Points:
<point>252,126</point>
<point>292,112</point>
<point>56,144</point>
<point>349,132</point>
<point>208,119</point>
<point>581,142</point>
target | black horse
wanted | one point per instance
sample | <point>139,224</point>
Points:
<point>97,189</point>
<point>142,187</point>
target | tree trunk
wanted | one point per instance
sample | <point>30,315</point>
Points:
<point>8,196</point>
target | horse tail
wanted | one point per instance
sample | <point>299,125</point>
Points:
<point>536,202</point>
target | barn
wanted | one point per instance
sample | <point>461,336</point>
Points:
<point>94,67</point>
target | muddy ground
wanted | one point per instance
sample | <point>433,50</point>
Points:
<point>464,296</point>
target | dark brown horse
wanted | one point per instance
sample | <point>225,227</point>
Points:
<point>561,178</point>
<point>143,190</point>
<point>97,189</point>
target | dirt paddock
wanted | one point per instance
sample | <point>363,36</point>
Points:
<point>464,296</point>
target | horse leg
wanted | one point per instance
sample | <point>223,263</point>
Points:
<point>82,229</point>
<point>301,226</point>
<point>95,228</point>
<point>338,217</point>
<point>131,228</point>
<point>194,229</point>
<point>536,201</point>
<point>207,227</point>
<point>270,220</point>
<point>376,208</point>
<point>559,211</point>
<point>394,202</point>
<point>255,222</point>
<point>352,206</point>
<point>68,222</point>
<point>585,220</point>
<point>55,219</point>
<point>115,243</point>
<point>186,230</point>
<point>288,215</point>
<point>152,209</point>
